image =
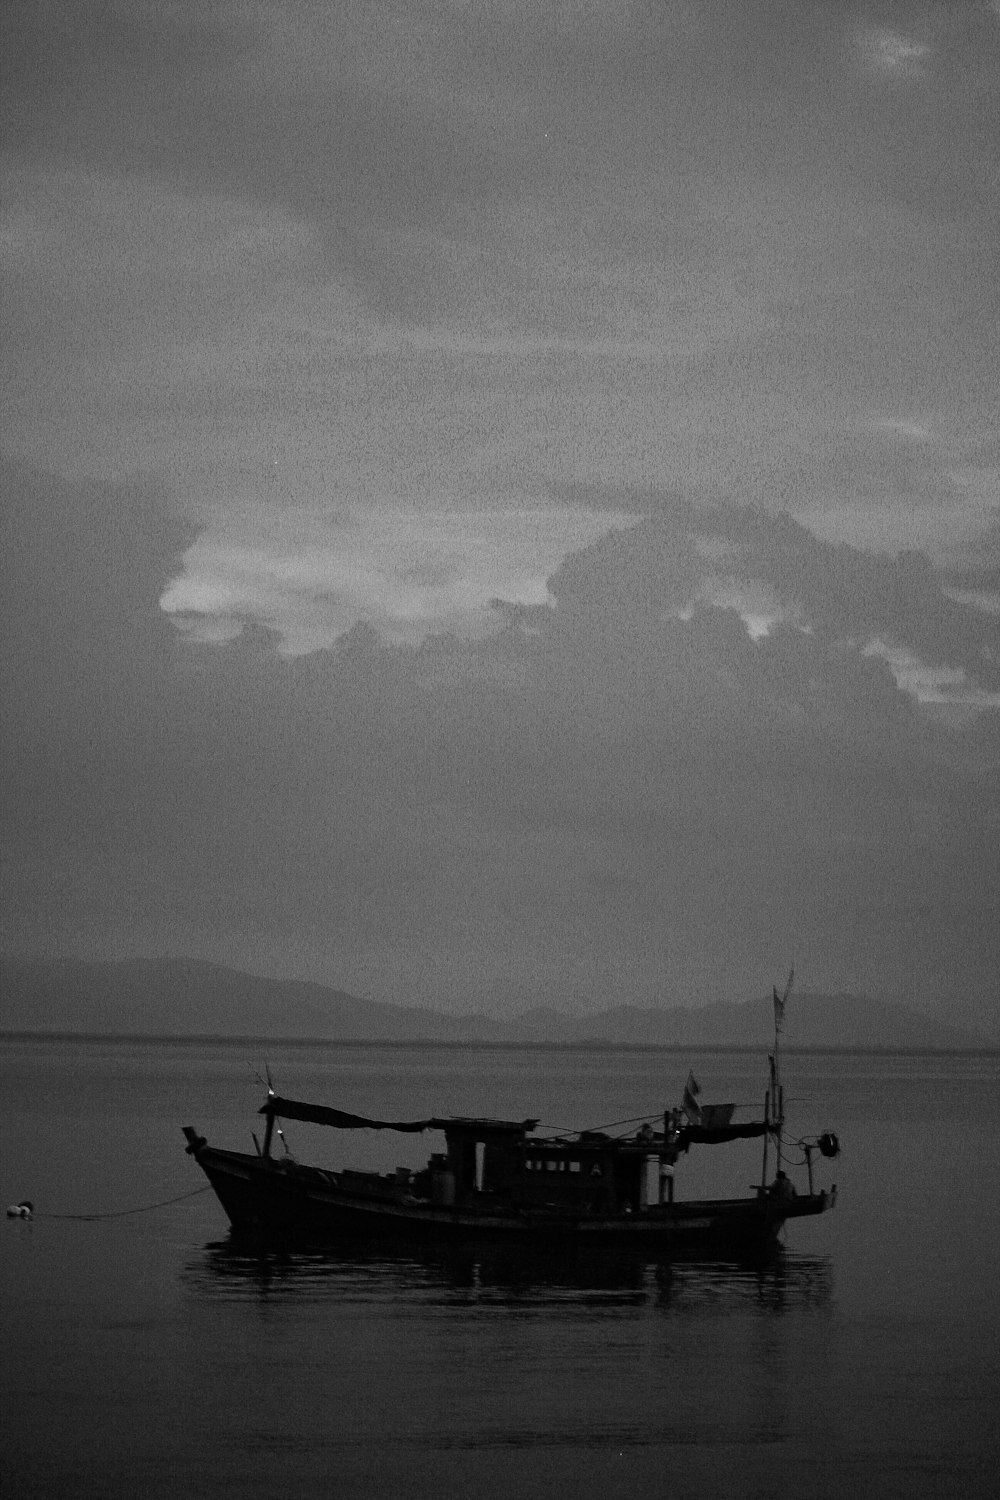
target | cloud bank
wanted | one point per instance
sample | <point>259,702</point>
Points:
<point>613,795</point>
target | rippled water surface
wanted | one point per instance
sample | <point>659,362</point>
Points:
<point>148,1355</point>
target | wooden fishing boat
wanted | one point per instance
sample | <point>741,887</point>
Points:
<point>504,1180</point>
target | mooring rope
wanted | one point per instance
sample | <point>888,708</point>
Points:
<point>121,1213</point>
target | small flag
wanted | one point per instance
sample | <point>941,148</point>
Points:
<point>690,1103</point>
<point>779,1010</point>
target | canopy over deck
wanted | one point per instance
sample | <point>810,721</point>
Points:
<point>706,1135</point>
<point>339,1119</point>
<point>483,1129</point>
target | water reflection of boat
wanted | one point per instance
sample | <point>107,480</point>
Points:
<point>505,1182</point>
<point>248,1268</point>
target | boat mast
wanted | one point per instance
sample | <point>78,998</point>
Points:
<point>269,1123</point>
<point>777,1090</point>
<point>767,1129</point>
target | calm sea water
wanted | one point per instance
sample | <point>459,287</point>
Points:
<point>146,1355</point>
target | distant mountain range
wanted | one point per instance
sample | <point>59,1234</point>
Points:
<point>186,997</point>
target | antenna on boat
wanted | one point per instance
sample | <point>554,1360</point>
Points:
<point>265,1079</point>
<point>269,1130</point>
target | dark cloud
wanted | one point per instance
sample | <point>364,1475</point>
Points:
<point>624,239</point>
<point>290,110</point>
<point>97,82</point>
<point>853,598</point>
<point>82,571</point>
<point>613,797</point>
<point>984,572</point>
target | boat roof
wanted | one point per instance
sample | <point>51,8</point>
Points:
<point>472,1125</point>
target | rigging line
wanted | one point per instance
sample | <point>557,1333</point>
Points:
<point>564,1131</point>
<point>635,1120</point>
<point>121,1213</point>
<point>791,1143</point>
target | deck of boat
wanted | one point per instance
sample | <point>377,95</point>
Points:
<point>284,1197</point>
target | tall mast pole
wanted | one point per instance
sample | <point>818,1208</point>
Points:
<point>778,1101</point>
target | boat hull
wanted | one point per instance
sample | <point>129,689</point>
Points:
<point>284,1199</point>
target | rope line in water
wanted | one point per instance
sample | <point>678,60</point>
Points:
<point>121,1213</point>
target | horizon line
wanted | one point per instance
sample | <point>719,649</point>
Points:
<point>591,1044</point>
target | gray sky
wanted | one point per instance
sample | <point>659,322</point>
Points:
<point>502,499</point>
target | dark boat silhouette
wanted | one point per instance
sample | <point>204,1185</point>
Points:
<point>505,1181</point>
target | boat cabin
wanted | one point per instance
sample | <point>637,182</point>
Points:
<point>590,1173</point>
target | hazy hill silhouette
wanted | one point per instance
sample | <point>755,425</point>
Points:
<point>187,997</point>
<point>811,1021</point>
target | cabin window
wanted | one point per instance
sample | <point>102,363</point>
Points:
<point>552,1164</point>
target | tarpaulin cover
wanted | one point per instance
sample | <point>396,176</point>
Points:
<point>321,1114</point>
<point>705,1136</point>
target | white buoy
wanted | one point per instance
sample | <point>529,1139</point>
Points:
<point>22,1210</point>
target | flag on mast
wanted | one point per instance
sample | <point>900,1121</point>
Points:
<point>780,1002</point>
<point>690,1103</point>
